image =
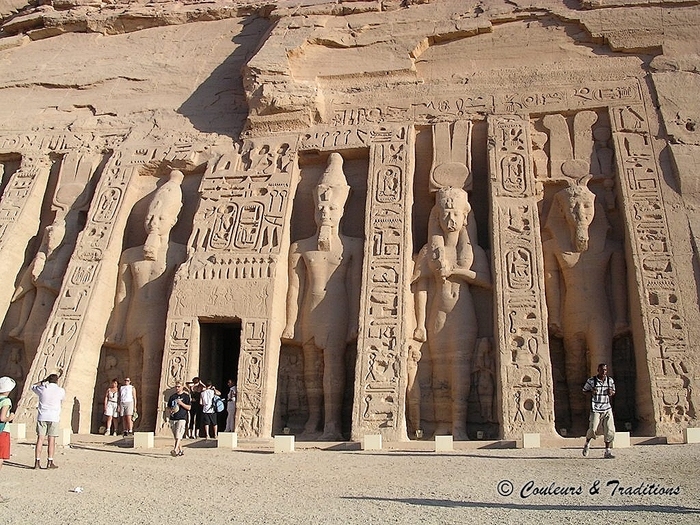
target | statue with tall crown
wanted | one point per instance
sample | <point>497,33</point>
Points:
<point>323,301</point>
<point>446,268</point>
<point>143,287</point>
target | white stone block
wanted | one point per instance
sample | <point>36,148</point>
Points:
<point>284,444</point>
<point>143,439</point>
<point>691,435</point>
<point>17,430</point>
<point>372,442</point>
<point>444,444</point>
<point>622,440</point>
<point>63,439</point>
<point>531,440</point>
<point>227,440</point>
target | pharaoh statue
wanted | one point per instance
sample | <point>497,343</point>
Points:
<point>447,266</point>
<point>40,285</point>
<point>323,302</point>
<point>143,287</point>
<point>584,282</point>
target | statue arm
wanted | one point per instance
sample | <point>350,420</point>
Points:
<point>619,292</point>
<point>115,331</point>
<point>354,284</point>
<point>420,296</point>
<point>553,291</point>
<point>297,281</point>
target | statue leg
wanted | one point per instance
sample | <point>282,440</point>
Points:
<point>314,387</point>
<point>442,394</point>
<point>333,391</point>
<point>150,382</point>
<point>461,384</point>
<point>600,338</point>
<point>576,375</point>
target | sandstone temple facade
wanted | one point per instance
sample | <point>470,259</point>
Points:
<point>409,217</point>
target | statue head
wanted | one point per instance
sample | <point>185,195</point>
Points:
<point>453,208</point>
<point>163,210</point>
<point>331,193</point>
<point>577,204</point>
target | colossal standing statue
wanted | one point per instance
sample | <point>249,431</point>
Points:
<point>39,286</point>
<point>446,267</point>
<point>323,301</point>
<point>584,282</point>
<point>143,288</point>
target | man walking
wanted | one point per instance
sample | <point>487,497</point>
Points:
<point>50,398</point>
<point>601,387</point>
<point>179,403</point>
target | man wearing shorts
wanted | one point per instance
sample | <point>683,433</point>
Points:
<point>601,388</point>
<point>178,405</point>
<point>50,398</point>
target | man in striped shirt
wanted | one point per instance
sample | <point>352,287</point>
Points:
<point>601,388</point>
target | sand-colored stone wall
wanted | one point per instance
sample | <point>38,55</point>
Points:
<point>470,135</point>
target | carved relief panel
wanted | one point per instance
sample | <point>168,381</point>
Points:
<point>521,335</point>
<point>232,264</point>
<point>674,400</point>
<point>380,384</point>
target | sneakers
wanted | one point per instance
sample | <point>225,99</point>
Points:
<point>51,465</point>
<point>181,453</point>
<point>173,453</point>
<point>37,464</point>
<point>586,448</point>
<point>609,455</point>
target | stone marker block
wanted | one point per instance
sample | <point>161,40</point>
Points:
<point>622,440</point>
<point>227,440</point>
<point>284,444</point>
<point>691,435</point>
<point>531,440</point>
<point>17,430</point>
<point>372,442</point>
<point>444,444</point>
<point>143,439</point>
<point>63,439</point>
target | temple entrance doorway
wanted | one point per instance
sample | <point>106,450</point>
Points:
<point>219,349</point>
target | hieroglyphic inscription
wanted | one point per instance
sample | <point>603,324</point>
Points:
<point>251,381</point>
<point>663,313</point>
<point>468,104</point>
<point>380,383</point>
<point>528,400</point>
<point>233,253</point>
<point>32,169</point>
<point>61,338</point>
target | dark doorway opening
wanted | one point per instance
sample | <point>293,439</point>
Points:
<point>219,350</point>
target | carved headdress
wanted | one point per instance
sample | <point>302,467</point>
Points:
<point>332,185</point>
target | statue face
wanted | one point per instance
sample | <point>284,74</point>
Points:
<point>329,212</point>
<point>159,221</point>
<point>453,217</point>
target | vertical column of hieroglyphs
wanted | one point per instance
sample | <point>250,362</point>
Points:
<point>72,339</point>
<point>19,217</point>
<point>669,360</point>
<point>380,384</point>
<point>232,269</point>
<point>527,403</point>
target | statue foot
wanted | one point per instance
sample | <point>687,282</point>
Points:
<point>443,430</point>
<point>460,435</point>
<point>332,432</point>
<point>15,334</point>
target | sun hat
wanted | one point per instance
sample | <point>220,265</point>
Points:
<point>7,384</point>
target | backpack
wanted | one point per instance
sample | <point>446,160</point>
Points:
<point>217,403</point>
<point>3,423</point>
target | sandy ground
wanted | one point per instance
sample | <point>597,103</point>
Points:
<point>339,483</point>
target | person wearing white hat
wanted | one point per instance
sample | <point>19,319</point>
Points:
<point>6,386</point>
